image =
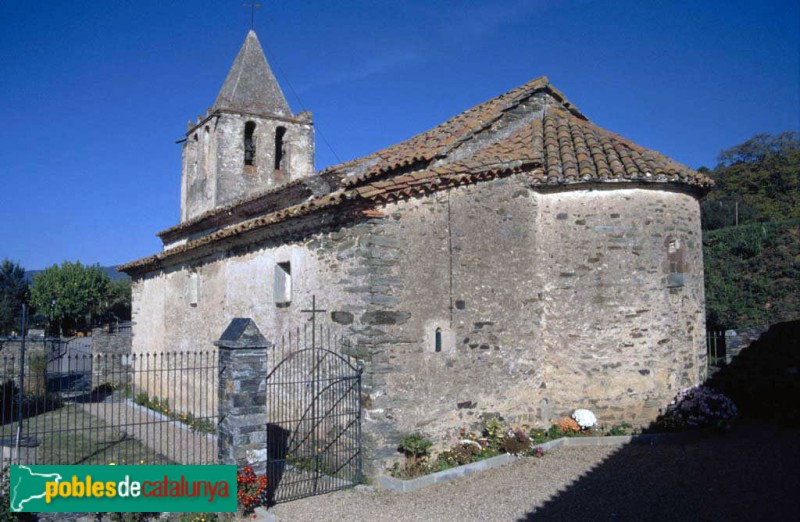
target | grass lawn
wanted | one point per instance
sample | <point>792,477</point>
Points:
<point>71,435</point>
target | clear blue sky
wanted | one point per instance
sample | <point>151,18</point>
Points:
<point>95,93</point>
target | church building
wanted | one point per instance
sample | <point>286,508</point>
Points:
<point>516,260</point>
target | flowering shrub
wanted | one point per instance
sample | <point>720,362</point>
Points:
<point>516,441</point>
<point>568,425</point>
<point>251,489</point>
<point>463,452</point>
<point>584,418</point>
<point>698,407</point>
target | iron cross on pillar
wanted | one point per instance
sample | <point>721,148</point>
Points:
<point>253,6</point>
<point>313,311</point>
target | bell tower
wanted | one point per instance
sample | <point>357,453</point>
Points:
<point>248,142</point>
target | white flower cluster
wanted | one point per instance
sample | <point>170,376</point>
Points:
<point>584,418</point>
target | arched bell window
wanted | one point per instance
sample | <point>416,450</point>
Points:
<point>280,132</point>
<point>249,143</point>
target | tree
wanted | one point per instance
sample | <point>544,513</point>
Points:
<point>119,300</point>
<point>13,293</point>
<point>72,295</point>
<point>756,181</point>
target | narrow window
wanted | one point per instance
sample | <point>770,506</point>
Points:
<point>675,262</point>
<point>195,153</point>
<point>249,143</point>
<point>279,134</point>
<point>283,284</point>
<point>437,347</point>
<point>194,288</point>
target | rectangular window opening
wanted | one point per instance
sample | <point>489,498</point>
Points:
<point>194,288</point>
<point>283,284</point>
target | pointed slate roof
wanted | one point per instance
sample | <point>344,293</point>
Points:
<point>250,86</point>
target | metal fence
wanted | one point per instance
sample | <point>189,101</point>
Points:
<point>716,349</point>
<point>58,407</point>
<point>123,328</point>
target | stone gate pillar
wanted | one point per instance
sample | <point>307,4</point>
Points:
<point>242,395</point>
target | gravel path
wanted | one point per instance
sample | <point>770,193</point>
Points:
<point>750,473</point>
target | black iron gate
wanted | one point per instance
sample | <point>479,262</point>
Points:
<point>313,415</point>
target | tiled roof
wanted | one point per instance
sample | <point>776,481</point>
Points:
<point>559,149</point>
<point>417,151</point>
<point>554,147</point>
<point>439,141</point>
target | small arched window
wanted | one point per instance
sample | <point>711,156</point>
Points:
<point>280,132</point>
<point>249,143</point>
<point>437,342</point>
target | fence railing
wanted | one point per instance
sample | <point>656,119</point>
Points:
<point>82,408</point>
<point>120,328</point>
<point>716,349</point>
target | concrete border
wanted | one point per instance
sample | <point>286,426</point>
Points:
<point>406,486</point>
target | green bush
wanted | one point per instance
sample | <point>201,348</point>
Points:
<point>415,446</point>
<point>142,399</point>
<point>752,274</point>
<point>623,428</point>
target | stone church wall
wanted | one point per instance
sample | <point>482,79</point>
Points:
<point>622,334</point>
<point>460,262</point>
<point>544,302</point>
<point>240,283</point>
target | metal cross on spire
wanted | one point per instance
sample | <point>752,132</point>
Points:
<point>253,6</point>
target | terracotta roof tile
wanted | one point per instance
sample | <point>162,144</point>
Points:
<point>560,147</point>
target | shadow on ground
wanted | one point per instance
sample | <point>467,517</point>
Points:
<point>751,472</point>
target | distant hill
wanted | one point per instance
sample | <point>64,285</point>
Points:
<point>111,271</point>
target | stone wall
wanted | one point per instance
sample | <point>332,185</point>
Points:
<point>740,339</point>
<point>214,173</point>
<point>110,361</point>
<point>460,262</point>
<point>240,283</point>
<point>542,303</point>
<point>545,302</point>
<point>110,343</point>
<point>621,336</point>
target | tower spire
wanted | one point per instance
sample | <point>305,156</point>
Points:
<point>251,86</point>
